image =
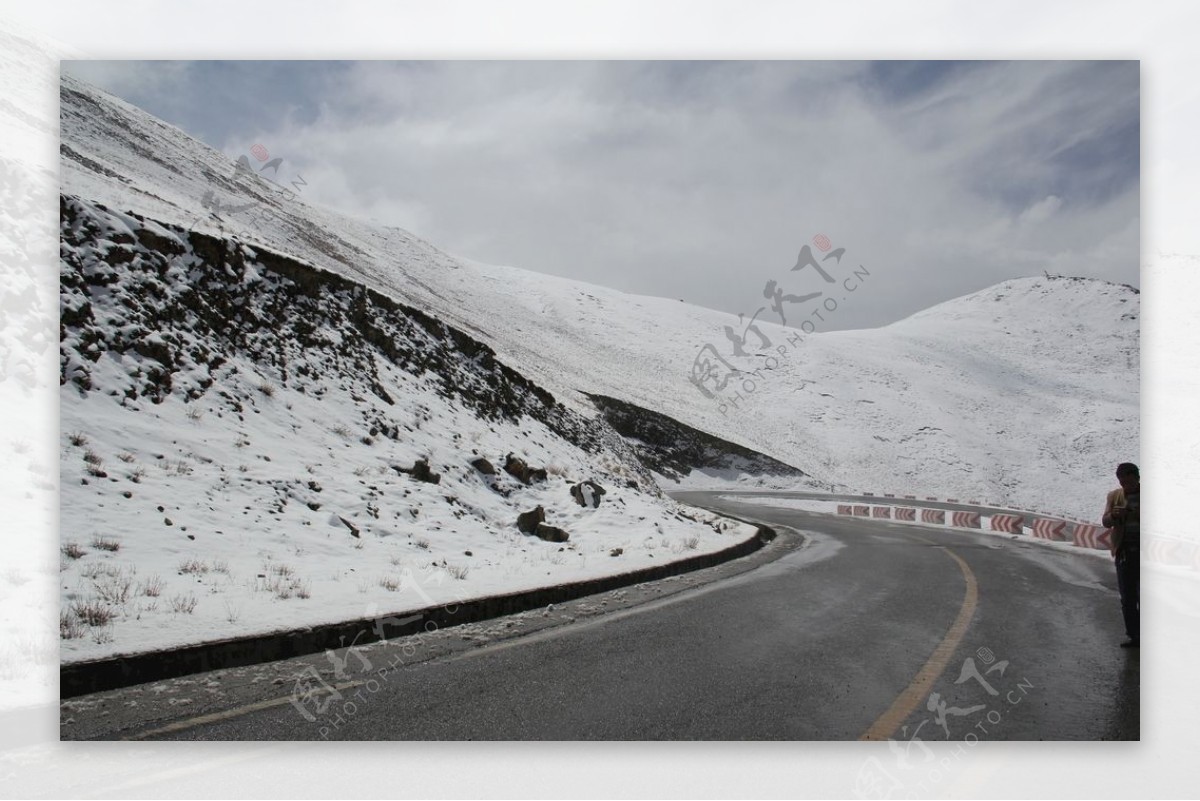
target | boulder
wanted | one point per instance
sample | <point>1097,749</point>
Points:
<point>528,522</point>
<point>517,468</point>
<point>520,470</point>
<point>484,466</point>
<point>421,472</point>
<point>587,493</point>
<point>551,533</point>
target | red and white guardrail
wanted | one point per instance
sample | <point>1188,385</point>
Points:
<point>1157,549</point>
<point>1010,523</point>
<point>1089,536</point>
<point>1047,529</point>
<point>965,519</point>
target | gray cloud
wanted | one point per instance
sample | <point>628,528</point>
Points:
<point>702,180</point>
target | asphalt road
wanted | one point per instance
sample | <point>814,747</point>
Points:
<point>860,629</point>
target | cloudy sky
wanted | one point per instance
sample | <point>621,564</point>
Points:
<point>701,180</point>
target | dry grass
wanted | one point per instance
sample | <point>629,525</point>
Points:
<point>93,569</point>
<point>151,587</point>
<point>70,627</point>
<point>94,464</point>
<point>281,582</point>
<point>193,566</point>
<point>183,604</point>
<point>106,544</point>
<point>114,588</point>
<point>93,612</point>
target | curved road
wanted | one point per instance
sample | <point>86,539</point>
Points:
<point>859,630</point>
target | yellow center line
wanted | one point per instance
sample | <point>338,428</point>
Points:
<point>881,729</point>
<point>919,689</point>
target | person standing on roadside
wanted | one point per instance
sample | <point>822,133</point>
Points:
<point>1122,513</point>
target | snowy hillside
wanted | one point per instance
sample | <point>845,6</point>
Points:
<point>1024,394</point>
<point>250,444</point>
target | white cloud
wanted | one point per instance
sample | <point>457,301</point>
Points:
<point>1041,211</point>
<point>703,180</point>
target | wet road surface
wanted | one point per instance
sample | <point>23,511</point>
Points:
<point>854,630</point>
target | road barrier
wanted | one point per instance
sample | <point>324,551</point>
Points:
<point>1010,523</point>
<point>1048,529</point>
<point>965,520</point>
<point>1157,550</point>
<point>1096,537</point>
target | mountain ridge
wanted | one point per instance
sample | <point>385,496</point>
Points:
<point>869,433</point>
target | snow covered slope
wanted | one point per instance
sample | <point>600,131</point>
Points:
<point>250,444</point>
<point>1024,394</point>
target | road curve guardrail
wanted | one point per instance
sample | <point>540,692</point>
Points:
<point>1157,549</point>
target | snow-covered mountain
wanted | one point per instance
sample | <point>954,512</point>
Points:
<point>243,433</point>
<point>249,372</point>
<point>1023,394</point>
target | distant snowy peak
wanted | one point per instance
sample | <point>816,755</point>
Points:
<point>1043,298</point>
